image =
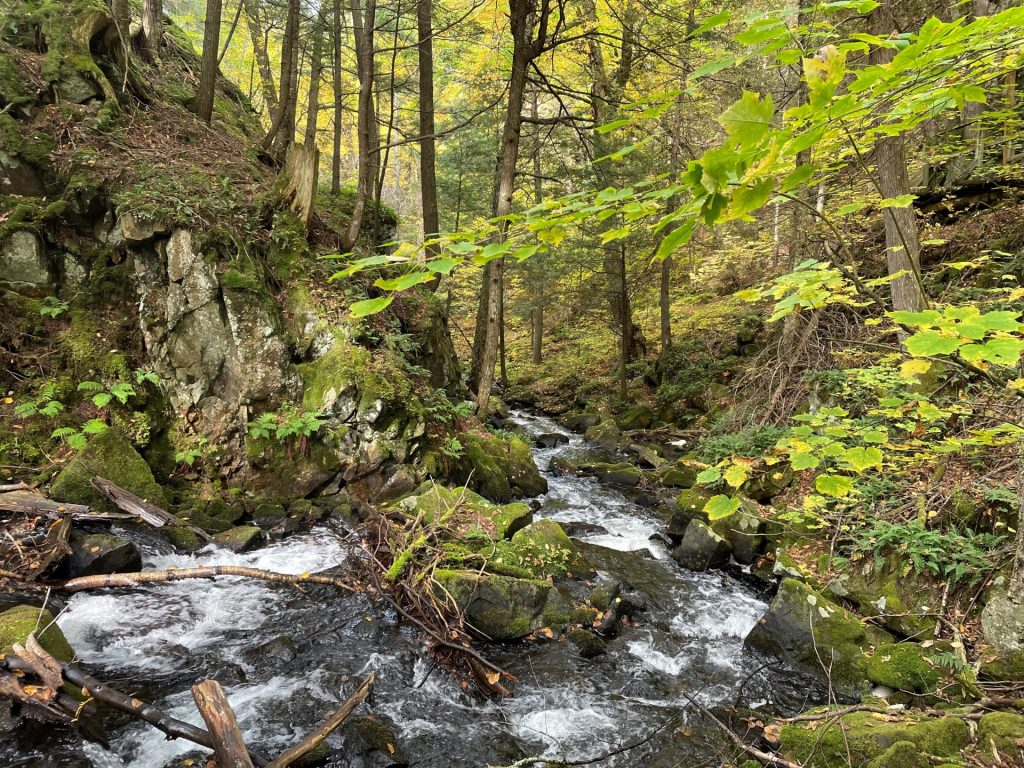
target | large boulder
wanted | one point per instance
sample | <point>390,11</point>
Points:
<point>431,501</point>
<point>617,474</point>
<point>498,469</point>
<point>744,530</point>
<point>859,738</point>
<point>502,607</point>
<point>109,455</point>
<point>605,435</point>
<point>902,667</point>
<point>1002,623</point>
<point>17,623</point>
<point>702,549</point>
<point>543,549</point>
<point>902,603</point>
<point>98,553</point>
<point>1002,734</point>
<point>815,634</point>
<point>23,265</point>
<point>583,422</point>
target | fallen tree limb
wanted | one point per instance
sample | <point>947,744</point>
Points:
<point>765,758</point>
<point>139,507</point>
<point>216,711</point>
<point>314,739</point>
<point>28,502</point>
<point>204,572</point>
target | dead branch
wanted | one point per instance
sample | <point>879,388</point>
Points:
<point>139,507</point>
<point>313,740</point>
<point>205,572</point>
<point>765,758</point>
<point>216,711</point>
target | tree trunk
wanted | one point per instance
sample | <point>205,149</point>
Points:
<point>315,73</point>
<point>962,166</point>
<point>799,218</point>
<point>428,148</point>
<point>362,32</point>
<point>537,267</point>
<point>153,26</point>
<point>289,50</point>
<point>261,56</point>
<point>902,247</point>
<point>1010,104</point>
<point>211,50</point>
<point>121,12</point>
<point>338,98</point>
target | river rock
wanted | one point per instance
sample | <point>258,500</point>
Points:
<point>702,549</point>
<point>563,465</point>
<point>815,634</point>
<point>109,455</point>
<point>373,739</point>
<point>499,470</point>
<point>589,645</point>
<point>23,265</point>
<point>639,416</point>
<point>605,435</point>
<point>99,553</point>
<point>544,549</point>
<point>551,440</point>
<point>689,506</point>
<point>502,607</point>
<point>430,501</point>
<point>577,528</point>
<point>744,530</point>
<point>617,474</point>
<point>583,422</point>
<point>17,623</point>
<point>678,476</point>
<point>240,539</point>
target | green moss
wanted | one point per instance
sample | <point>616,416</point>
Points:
<point>17,623</point>
<point>499,469</point>
<point>902,667</point>
<point>693,500</point>
<point>858,738</point>
<point>902,754</point>
<point>542,549</point>
<point>242,281</point>
<point>501,607</point>
<point>181,538</point>
<point>1001,731</point>
<point>110,456</point>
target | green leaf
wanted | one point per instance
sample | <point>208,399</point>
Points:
<point>371,306</point>
<point>846,210</point>
<point>901,201</point>
<point>736,475</point>
<point>404,282</point>
<point>835,486</point>
<point>928,343</point>
<point>862,459</point>
<point>442,266</point>
<point>748,120</point>
<point>677,237</point>
<point>801,461</point>
<point>709,476</point>
<point>720,506</point>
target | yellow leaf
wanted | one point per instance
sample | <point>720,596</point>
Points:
<point>493,677</point>
<point>912,368</point>
<point>8,400</point>
<point>391,748</point>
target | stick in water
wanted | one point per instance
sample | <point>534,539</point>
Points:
<point>220,719</point>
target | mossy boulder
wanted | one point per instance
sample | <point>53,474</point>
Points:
<point>242,538</point>
<point>500,470</point>
<point>678,476</point>
<point>182,538</point>
<point>605,435</point>
<point>99,553</point>
<point>639,416</point>
<point>903,603</point>
<point>902,754</point>
<point>815,634</point>
<point>744,530</point>
<point>431,501</point>
<point>17,623</point>
<point>689,506</point>
<point>587,643</point>
<point>860,737</point>
<point>1002,733</point>
<point>902,667</point>
<point>366,735</point>
<point>540,550</point>
<point>582,422</point>
<point>109,455</point>
<point>768,482</point>
<point>617,474</point>
<point>702,549</point>
<point>502,607</point>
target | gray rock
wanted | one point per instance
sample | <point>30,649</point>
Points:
<point>136,230</point>
<point>702,549</point>
<point>1002,623</point>
<point>23,265</point>
<point>744,530</point>
<point>240,539</point>
<point>551,440</point>
<point>604,435</point>
<point>583,422</point>
<point>101,553</point>
<point>76,88</point>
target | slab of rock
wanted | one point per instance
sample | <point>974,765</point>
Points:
<point>702,549</point>
<point>583,422</point>
<point>99,553</point>
<point>23,265</point>
<point>240,539</point>
<point>617,474</point>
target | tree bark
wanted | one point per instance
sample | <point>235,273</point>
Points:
<point>262,58</point>
<point>902,246</point>
<point>339,97</point>
<point>220,719</point>
<point>286,103</point>
<point>211,51</point>
<point>367,129</point>
<point>315,73</point>
<point>428,148</point>
<point>121,12</point>
<point>153,26</point>
<point>536,269</point>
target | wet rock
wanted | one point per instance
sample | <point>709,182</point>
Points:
<point>563,465</point>
<point>109,455</point>
<point>374,739</point>
<point>583,422</point>
<point>240,539</point>
<point>280,650</point>
<point>499,470</point>
<point>810,631</point>
<point>182,538</point>
<point>589,645</point>
<point>578,528</point>
<point>617,474</point>
<point>23,265</point>
<point>744,530</point>
<point>268,513</point>
<point>860,737</point>
<point>605,435</point>
<point>99,553</point>
<point>689,506</point>
<point>502,607</point>
<point>702,549</point>
<point>544,549</point>
<point>17,623</point>
<point>551,440</point>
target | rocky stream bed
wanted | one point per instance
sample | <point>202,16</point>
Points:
<point>284,657</point>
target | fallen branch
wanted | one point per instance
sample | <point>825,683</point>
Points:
<point>139,507</point>
<point>205,572</point>
<point>216,711</point>
<point>765,758</point>
<point>314,739</point>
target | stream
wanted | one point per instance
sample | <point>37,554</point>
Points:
<point>286,659</point>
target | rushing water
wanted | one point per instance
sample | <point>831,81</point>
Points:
<point>286,658</point>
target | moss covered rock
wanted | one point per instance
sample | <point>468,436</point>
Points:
<point>744,530</point>
<point>502,607</point>
<point>182,538</point>
<point>589,644</point>
<point>99,553</point>
<point>109,455</point>
<point>617,474</point>
<point>1002,733</point>
<point>17,623</point>
<point>604,435</point>
<point>903,603</point>
<point>805,628</point>
<point>860,737</point>
<point>431,501</point>
<point>542,549</point>
<point>902,667</point>
<point>702,549</point>
<point>240,539</point>
<point>498,469</point>
<point>902,754</point>
<point>640,416</point>
<point>678,476</point>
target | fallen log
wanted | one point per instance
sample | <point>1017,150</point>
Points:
<point>203,572</point>
<point>216,711</point>
<point>314,739</point>
<point>139,507</point>
<point>27,502</point>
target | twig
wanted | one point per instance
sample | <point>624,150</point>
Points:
<point>204,572</point>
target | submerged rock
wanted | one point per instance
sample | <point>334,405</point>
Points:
<point>109,455</point>
<point>589,645</point>
<point>100,553</point>
<point>808,630</point>
<point>374,739</point>
<point>702,549</point>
